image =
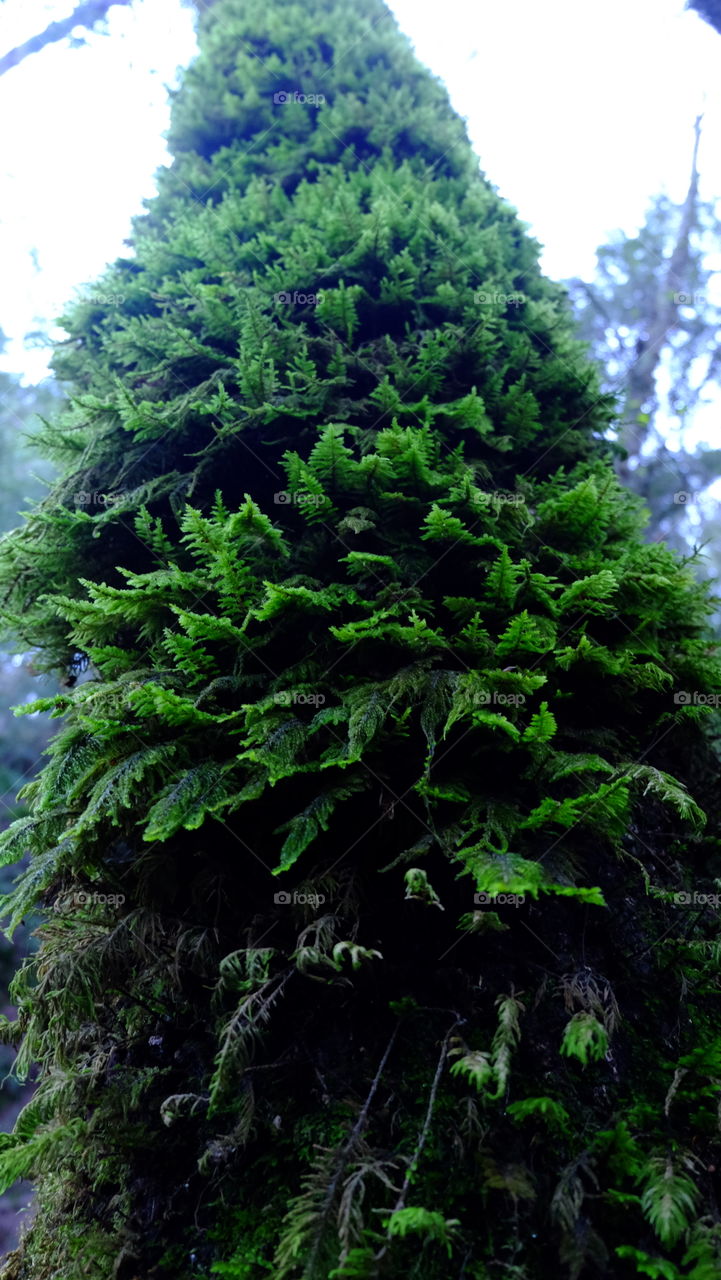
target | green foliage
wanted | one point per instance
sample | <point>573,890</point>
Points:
<point>669,1198</point>
<point>584,1037</point>
<point>417,887</point>
<point>542,726</point>
<point>486,1069</point>
<point>22,1154</point>
<point>369,628</point>
<point>656,1268</point>
<point>551,1111</point>
<point>423,1222</point>
<point>703,1254</point>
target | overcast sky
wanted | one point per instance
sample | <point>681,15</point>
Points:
<point>578,112</point>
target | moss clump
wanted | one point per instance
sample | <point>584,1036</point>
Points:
<point>362,836</point>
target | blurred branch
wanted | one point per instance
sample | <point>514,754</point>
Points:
<point>598,306</point>
<point>709,10</point>
<point>86,15</point>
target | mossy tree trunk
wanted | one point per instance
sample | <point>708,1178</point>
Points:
<point>363,832</point>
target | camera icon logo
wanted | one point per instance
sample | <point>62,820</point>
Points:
<point>282,96</point>
<point>283,898</point>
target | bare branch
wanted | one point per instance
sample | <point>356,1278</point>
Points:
<point>710,10</point>
<point>413,1162</point>
<point>86,15</point>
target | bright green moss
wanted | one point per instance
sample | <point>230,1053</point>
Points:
<point>368,621</point>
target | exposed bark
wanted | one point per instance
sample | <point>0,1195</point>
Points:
<point>86,15</point>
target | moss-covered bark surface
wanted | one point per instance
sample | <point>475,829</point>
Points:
<point>379,838</point>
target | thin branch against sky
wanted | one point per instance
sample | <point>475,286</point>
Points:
<point>86,15</point>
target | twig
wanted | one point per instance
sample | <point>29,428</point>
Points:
<point>349,1145</point>
<point>86,15</point>
<point>413,1163</point>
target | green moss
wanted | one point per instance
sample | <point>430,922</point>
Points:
<point>365,827</point>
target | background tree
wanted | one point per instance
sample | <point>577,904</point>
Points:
<point>24,476</point>
<point>362,839</point>
<point>650,320</point>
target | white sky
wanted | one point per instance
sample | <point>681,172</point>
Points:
<point>579,114</point>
